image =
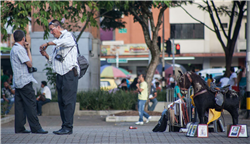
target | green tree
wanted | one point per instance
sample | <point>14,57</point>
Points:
<point>17,14</point>
<point>141,12</point>
<point>234,11</point>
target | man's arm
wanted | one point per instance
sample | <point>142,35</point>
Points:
<point>11,90</point>
<point>138,87</point>
<point>155,95</point>
<point>45,45</point>
<point>235,81</point>
<point>27,47</point>
<point>5,98</point>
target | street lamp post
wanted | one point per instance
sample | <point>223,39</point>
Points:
<point>248,60</point>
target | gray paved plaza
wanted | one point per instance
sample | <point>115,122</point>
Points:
<point>93,129</point>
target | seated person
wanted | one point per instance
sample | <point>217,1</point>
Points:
<point>46,92</point>
<point>158,88</point>
<point>8,96</point>
<point>123,85</point>
<point>152,98</point>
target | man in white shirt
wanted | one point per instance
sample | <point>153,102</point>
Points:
<point>47,93</point>
<point>25,99</point>
<point>224,81</point>
<point>233,78</point>
<point>64,63</point>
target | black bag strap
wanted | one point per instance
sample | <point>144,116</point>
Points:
<point>71,47</point>
<point>76,45</point>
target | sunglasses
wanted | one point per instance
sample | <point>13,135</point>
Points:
<point>51,23</point>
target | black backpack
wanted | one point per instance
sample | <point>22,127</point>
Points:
<point>162,123</point>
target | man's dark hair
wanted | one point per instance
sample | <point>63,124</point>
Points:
<point>44,83</point>
<point>5,71</point>
<point>124,80</point>
<point>211,76</point>
<point>144,76</point>
<point>55,23</point>
<point>157,83</point>
<point>232,69</point>
<point>18,35</point>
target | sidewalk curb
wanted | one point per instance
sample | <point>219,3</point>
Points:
<point>7,119</point>
<point>129,118</point>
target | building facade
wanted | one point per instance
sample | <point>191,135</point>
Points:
<point>199,46</point>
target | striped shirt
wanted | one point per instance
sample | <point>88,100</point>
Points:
<point>63,45</point>
<point>18,57</point>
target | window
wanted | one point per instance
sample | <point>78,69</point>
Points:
<point>224,25</point>
<point>187,31</point>
<point>104,84</point>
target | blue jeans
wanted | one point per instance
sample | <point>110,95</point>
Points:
<point>39,105</point>
<point>141,105</point>
<point>10,104</point>
<point>152,107</point>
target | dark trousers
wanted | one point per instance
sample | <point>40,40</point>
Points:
<point>25,105</point>
<point>40,104</point>
<point>67,89</point>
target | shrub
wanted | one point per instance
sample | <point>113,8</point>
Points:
<point>102,100</point>
<point>161,95</point>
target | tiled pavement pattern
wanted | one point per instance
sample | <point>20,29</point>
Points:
<point>93,129</point>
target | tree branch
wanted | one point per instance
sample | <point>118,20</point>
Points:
<point>231,21</point>
<point>217,15</point>
<point>101,15</point>
<point>159,20</point>
<point>197,19</point>
<point>238,24</point>
<point>84,27</point>
<point>215,26</point>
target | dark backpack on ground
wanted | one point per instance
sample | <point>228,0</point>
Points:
<point>162,123</point>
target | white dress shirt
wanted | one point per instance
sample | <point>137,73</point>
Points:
<point>63,45</point>
<point>18,58</point>
<point>47,92</point>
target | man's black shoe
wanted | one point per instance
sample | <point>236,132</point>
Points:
<point>63,132</point>
<point>25,131</point>
<point>41,131</point>
<point>57,131</point>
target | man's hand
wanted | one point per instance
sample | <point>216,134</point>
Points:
<point>43,53</point>
<point>26,45</point>
<point>43,46</point>
<point>137,85</point>
<point>6,100</point>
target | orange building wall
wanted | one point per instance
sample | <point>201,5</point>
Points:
<point>135,34</point>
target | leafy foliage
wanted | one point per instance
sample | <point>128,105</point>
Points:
<point>51,76</point>
<point>103,100</point>
<point>18,14</point>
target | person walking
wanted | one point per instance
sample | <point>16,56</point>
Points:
<point>142,90</point>
<point>25,99</point>
<point>64,63</point>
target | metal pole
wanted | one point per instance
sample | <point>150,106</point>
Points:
<point>117,59</point>
<point>163,54</point>
<point>173,48</point>
<point>248,60</point>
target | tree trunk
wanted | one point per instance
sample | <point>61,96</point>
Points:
<point>151,69</point>
<point>229,58</point>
